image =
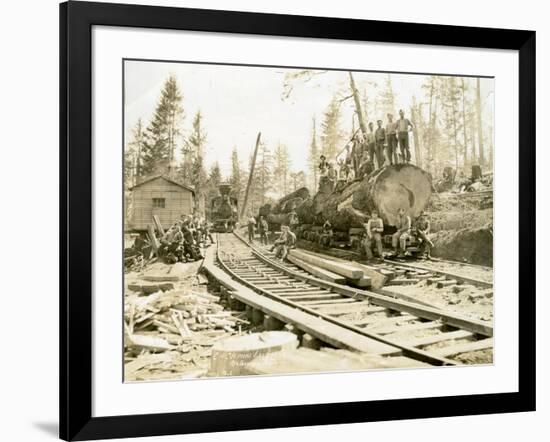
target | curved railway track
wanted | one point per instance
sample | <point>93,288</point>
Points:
<point>399,327</point>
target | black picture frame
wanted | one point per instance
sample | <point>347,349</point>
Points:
<point>76,21</point>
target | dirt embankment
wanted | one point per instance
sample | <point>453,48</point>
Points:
<point>474,246</point>
<point>462,227</point>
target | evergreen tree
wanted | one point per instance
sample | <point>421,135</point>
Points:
<point>452,122</point>
<point>132,155</point>
<point>313,156</point>
<point>212,185</point>
<point>264,173</point>
<point>164,131</point>
<point>281,169</point>
<point>298,180</point>
<point>331,134</point>
<point>385,104</point>
<point>193,171</point>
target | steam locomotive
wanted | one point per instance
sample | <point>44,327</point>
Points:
<point>224,210</point>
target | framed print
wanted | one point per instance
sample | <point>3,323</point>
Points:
<point>272,220</point>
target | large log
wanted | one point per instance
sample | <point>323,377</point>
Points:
<point>385,190</point>
<point>289,202</point>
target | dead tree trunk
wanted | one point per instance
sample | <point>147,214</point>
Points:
<point>464,123</point>
<point>479,125</point>
<point>358,109</point>
<point>416,138</point>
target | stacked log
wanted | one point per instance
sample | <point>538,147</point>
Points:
<point>385,190</point>
<point>285,209</point>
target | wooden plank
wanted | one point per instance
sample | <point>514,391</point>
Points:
<point>375,321</point>
<point>311,297</point>
<point>433,339</point>
<point>363,282</point>
<point>158,224</point>
<point>320,273</point>
<point>409,328</point>
<point>337,267</point>
<point>482,344</point>
<point>334,302</point>
<point>346,308</point>
<point>378,277</point>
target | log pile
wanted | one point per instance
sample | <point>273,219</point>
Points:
<point>385,190</point>
<point>282,212</point>
<point>169,335</point>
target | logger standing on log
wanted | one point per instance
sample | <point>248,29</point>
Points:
<point>399,238</point>
<point>391,137</point>
<point>403,127</point>
<point>374,229</point>
<point>380,137</point>
<point>422,230</point>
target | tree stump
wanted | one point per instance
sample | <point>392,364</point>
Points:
<point>231,356</point>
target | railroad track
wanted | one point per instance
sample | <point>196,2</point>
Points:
<point>390,326</point>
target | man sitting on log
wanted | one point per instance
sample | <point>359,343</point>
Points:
<point>399,238</point>
<point>286,241</point>
<point>367,165</point>
<point>422,229</point>
<point>374,228</point>
<point>325,239</point>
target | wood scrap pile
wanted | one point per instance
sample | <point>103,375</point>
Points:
<point>169,335</point>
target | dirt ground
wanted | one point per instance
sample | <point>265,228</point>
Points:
<point>481,273</point>
<point>472,245</point>
<point>470,301</point>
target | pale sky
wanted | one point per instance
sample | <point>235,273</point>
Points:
<point>239,101</point>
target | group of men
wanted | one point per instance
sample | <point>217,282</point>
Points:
<point>284,242</point>
<point>366,154</point>
<point>375,226</point>
<point>182,241</point>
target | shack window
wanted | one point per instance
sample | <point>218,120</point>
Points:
<point>159,203</point>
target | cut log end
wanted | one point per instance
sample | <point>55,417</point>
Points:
<point>401,186</point>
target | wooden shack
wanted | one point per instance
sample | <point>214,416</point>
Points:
<point>161,196</point>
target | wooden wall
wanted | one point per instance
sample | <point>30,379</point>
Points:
<point>178,201</point>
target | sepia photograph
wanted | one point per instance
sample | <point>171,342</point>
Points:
<point>293,220</point>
